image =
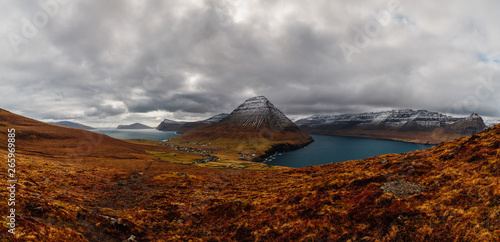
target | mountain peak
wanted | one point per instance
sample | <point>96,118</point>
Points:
<point>255,102</point>
<point>474,116</point>
<point>169,121</point>
<point>467,126</point>
<point>258,98</point>
<point>255,127</point>
<point>258,112</point>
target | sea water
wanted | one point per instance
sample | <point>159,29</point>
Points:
<point>149,134</point>
<point>327,149</point>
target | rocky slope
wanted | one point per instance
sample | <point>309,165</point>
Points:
<point>134,126</point>
<point>256,126</point>
<point>419,126</point>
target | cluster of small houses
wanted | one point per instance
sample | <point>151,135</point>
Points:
<point>204,152</point>
<point>252,156</point>
<point>246,157</point>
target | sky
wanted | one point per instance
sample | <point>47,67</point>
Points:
<point>104,63</point>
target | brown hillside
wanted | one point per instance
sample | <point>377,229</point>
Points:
<point>447,193</point>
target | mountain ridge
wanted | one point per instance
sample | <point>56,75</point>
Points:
<point>192,125</point>
<point>169,125</point>
<point>416,126</point>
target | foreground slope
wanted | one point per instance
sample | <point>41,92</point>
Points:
<point>447,193</point>
<point>47,139</point>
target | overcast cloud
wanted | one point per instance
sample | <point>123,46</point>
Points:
<point>114,62</point>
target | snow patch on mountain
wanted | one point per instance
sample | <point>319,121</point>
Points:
<point>392,118</point>
<point>258,112</point>
<point>215,118</point>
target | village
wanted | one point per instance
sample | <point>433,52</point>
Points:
<point>206,153</point>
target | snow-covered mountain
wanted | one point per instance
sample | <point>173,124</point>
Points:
<point>256,129</point>
<point>257,113</point>
<point>408,118</point>
<point>490,122</point>
<point>420,126</point>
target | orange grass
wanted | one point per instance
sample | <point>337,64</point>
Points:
<point>118,189</point>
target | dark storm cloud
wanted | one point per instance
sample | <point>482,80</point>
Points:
<point>118,60</point>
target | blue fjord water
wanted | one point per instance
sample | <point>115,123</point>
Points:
<point>325,149</point>
<point>150,134</point>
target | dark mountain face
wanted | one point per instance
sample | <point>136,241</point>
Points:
<point>420,126</point>
<point>467,126</point>
<point>169,125</point>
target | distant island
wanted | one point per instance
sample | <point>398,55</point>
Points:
<point>73,125</point>
<point>134,126</point>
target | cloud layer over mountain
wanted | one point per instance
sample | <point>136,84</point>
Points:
<point>120,60</point>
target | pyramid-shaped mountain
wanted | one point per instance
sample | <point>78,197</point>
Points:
<point>256,123</point>
<point>259,113</point>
